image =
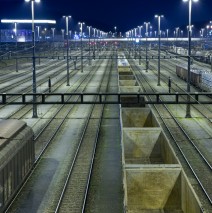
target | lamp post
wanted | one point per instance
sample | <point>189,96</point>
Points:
<point>135,46</point>
<point>146,35</point>
<point>181,33</point>
<point>192,26</point>
<point>53,29</point>
<point>38,29</point>
<point>188,109</point>
<point>187,27</point>
<point>97,41</point>
<point>167,33</point>
<point>63,36</point>
<point>176,37</point>
<point>200,34</point>
<point>100,41</point>
<point>89,34</point>
<point>38,39</point>
<point>70,32</point>
<point>94,34</point>
<point>34,89</point>
<point>177,29</point>
<point>45,34</point>
<point>135,32</point>
<point>131,44</point>
<point>191,29</point>
<point>16,45</point>
<point>81,24</point>
<point>67,48</point>
<point>139,27</point>
<point>207,27</point>
<point>150,33</point>
<point>159,37</point>
<point>202,30</point>
<point>115,28</point>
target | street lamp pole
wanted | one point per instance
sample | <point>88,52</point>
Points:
<point>207,27</point>
<point>139,27</point>
<point>135,32</point>
<point>115,31</point>
<point>188,108</point>
<point>63,37</point>
<point>94,54</point>
<point>167,33</point>
<point>34,89</point>
<point>38,27</point>
<point>182,34</point>
<point>159,37</point>
<point>38,39</point>
<point>45,34</point>
<point>146,23</point>
<point>89,34</point>
<point>53,29</point>
<point>67,48</point>
<point>176,37</point>
<point>150,33</point>
<point>131,46</point>
<point>130,41</point>
<point>97,41</point>
<point>140,44</point>
<point>100,40</point>
<point>16,44</point>
<point>81,24</point>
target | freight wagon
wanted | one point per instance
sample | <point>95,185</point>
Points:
<point>206,81</point>
<point>199,78</point>
<point>17,157</point>
<point>123,65</point>
<point>203,56</point>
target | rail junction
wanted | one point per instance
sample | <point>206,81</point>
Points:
<point>87,133</point>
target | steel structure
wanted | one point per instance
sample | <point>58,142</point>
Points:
<point>120,98</point>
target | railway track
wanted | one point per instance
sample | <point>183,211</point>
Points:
<point>205,111</point>
<point>28,88</point>
<point>57,72</point>
<point>51,129</point>
<point>25,69</point>
<point>59,123</point>
<point>192,155</point>
<point>73,199</point>
<point>28,77</point>
<point>61,112</point>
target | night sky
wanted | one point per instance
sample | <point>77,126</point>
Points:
<point>106,14</point>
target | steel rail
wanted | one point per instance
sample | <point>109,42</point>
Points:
<point>182,152</point>
<point>75,158</point>
<point>45,147</point>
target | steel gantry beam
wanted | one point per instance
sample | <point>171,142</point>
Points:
<point>105,98</point>
<point>9,57</point>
